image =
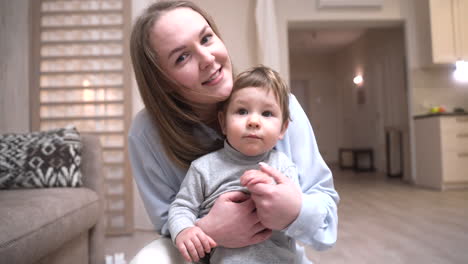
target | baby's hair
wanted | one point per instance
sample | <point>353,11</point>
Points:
<point>267,78</point>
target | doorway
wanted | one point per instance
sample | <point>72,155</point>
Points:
<point>346,112</point>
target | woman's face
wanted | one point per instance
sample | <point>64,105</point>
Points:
<point>189,52</point>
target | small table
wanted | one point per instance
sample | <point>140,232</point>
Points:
<point>357,155</point>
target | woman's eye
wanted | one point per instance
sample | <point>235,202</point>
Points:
<point>181,58</point>
<point>267,113</point>
<point>242,111</point>
<point>206,38</point>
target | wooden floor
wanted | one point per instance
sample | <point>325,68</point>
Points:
<point>387,221</point>
<point>380,221</point>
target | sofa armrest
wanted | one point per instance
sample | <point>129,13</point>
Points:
<point>92,163</point>
<point>92,169</point>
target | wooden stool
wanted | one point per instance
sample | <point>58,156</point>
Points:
<point>357,154</point>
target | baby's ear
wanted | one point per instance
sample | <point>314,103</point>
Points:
<point>222,121</point>
<point>283,129</point>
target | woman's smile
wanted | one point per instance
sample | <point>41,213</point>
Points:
<point>215,78</point>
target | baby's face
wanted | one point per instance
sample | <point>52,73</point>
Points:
<point>253,122</point>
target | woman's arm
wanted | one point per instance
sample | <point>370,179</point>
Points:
<point>156,189</point>
<point>317,221</point>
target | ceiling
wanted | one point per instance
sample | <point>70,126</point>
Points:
<point>329,36</point>
<point>323,40</point>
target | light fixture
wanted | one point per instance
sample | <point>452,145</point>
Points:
<point>358,80</point>
<point>461,71</point>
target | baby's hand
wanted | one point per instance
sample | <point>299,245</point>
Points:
<point>252,177</point>
<point>192,243</point>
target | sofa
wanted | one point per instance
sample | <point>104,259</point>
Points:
<point>57,225</point>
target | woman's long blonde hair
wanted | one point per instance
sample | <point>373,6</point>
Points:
<point>171,113</point>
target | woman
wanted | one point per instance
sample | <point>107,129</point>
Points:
<point>183,71</point>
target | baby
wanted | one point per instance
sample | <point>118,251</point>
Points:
<point>253,119</point>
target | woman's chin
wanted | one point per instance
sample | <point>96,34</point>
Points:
<point>223,95</point>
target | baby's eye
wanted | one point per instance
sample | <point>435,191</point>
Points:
<point>267,113</point>
<point>206,38</point>
<point>242,111</point>
<point>181,58</point>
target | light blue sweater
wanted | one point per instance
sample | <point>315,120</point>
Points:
<point>159,179</point>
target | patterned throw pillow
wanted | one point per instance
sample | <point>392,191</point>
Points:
<point>41,159</point>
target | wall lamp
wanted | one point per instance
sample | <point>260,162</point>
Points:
<point>358,80</point>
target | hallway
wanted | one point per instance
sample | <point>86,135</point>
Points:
<point>381,221</point>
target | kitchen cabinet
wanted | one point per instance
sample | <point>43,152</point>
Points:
<point>442,151</point>
<point>448,20</point>
<point>441,30</point>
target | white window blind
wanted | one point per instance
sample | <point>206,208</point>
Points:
<point>82,66</point>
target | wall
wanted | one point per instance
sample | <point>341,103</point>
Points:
<point>14,66</point>
<point>236,21</point>
<point>436,87</point>
<point>313,83</point>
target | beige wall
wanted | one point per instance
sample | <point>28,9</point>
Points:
<point>236,21</point>
<point>436,87</point>
<point>14,66</point>
<point>313,81</point>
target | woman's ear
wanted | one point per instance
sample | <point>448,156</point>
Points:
<point>283,129</point>
<point>222,121</point>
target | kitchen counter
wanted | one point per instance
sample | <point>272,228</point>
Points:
<point>441,148</point>
<point>440,114</point>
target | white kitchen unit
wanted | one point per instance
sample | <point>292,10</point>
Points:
<point>442,27</point>
<point>442,151</point>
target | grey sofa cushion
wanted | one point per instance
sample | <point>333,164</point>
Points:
<point>41,159</point>
<point>35,222</point>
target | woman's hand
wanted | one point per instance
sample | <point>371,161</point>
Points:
<point>232,221</point>
<point>278,205</point>
<point>192,243</point>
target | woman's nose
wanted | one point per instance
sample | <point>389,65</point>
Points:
<point>206,58</point>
